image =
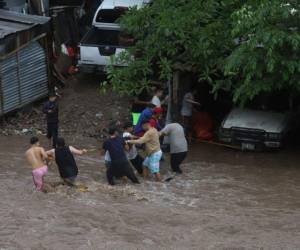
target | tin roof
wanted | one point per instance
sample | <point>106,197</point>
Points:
<point>12,22</point>
<point>17,29</point>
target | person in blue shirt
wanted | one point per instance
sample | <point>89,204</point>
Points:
<point>146,115</point>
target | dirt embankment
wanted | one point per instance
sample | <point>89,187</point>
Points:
<point>84,111</point>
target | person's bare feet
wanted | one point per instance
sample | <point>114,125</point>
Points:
<point>158,177</point>
<point>48,188</point>
<point>146,173</point>
<point>125,179</point>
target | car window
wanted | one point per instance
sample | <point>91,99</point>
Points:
<point>110,15</point>
<point>110,38</point>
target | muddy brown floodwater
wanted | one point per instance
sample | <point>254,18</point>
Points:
<point>225,200</point>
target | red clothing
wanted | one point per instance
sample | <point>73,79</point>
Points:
<point>154,123</point>
<point>140,134</point>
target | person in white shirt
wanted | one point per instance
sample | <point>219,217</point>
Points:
<point>132,155</point>
<point>156,99</point>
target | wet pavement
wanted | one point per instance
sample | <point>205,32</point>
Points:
<point>224,200</point>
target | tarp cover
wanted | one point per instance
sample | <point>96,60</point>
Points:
<point>203,125</point>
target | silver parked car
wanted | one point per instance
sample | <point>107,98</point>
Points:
<point>255,130</point>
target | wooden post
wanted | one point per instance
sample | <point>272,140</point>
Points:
<point>175,98</point>
<point>37,5</point>
<point>170,103</point>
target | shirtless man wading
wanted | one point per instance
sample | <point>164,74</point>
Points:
<point>36,157</point>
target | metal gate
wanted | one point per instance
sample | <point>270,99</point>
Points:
<point>23,78</point>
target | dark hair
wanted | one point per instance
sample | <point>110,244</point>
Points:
<point>52,93</point>
<point>192,88</point>
<point>151,105</point>
<point>158,89</point>
<point>112,130</point>
<point>34,140</point>
<point>127,125</point>
<point>60,142</point>
<point>145,121</point>
<point>114,123</point>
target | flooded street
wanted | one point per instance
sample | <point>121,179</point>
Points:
<point>224,75</point>
<point>225,200</point>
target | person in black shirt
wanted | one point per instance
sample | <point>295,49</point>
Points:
<point>51,110</point>
<point>119,166</point>
<point>139,103</point>
<point>64,158</point>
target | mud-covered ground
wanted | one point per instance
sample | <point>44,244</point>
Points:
<point>85,111</point>
<point>224,200</point>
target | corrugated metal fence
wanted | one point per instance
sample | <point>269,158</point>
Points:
<point>23,78</point>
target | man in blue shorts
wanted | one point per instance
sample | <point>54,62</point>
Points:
<point>153,151</point>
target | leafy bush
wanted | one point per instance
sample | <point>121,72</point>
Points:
<point>245,47</point>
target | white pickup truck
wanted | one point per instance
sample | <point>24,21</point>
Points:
<point>105,39</point>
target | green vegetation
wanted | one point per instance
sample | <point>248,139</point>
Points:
<point>245,47</point>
